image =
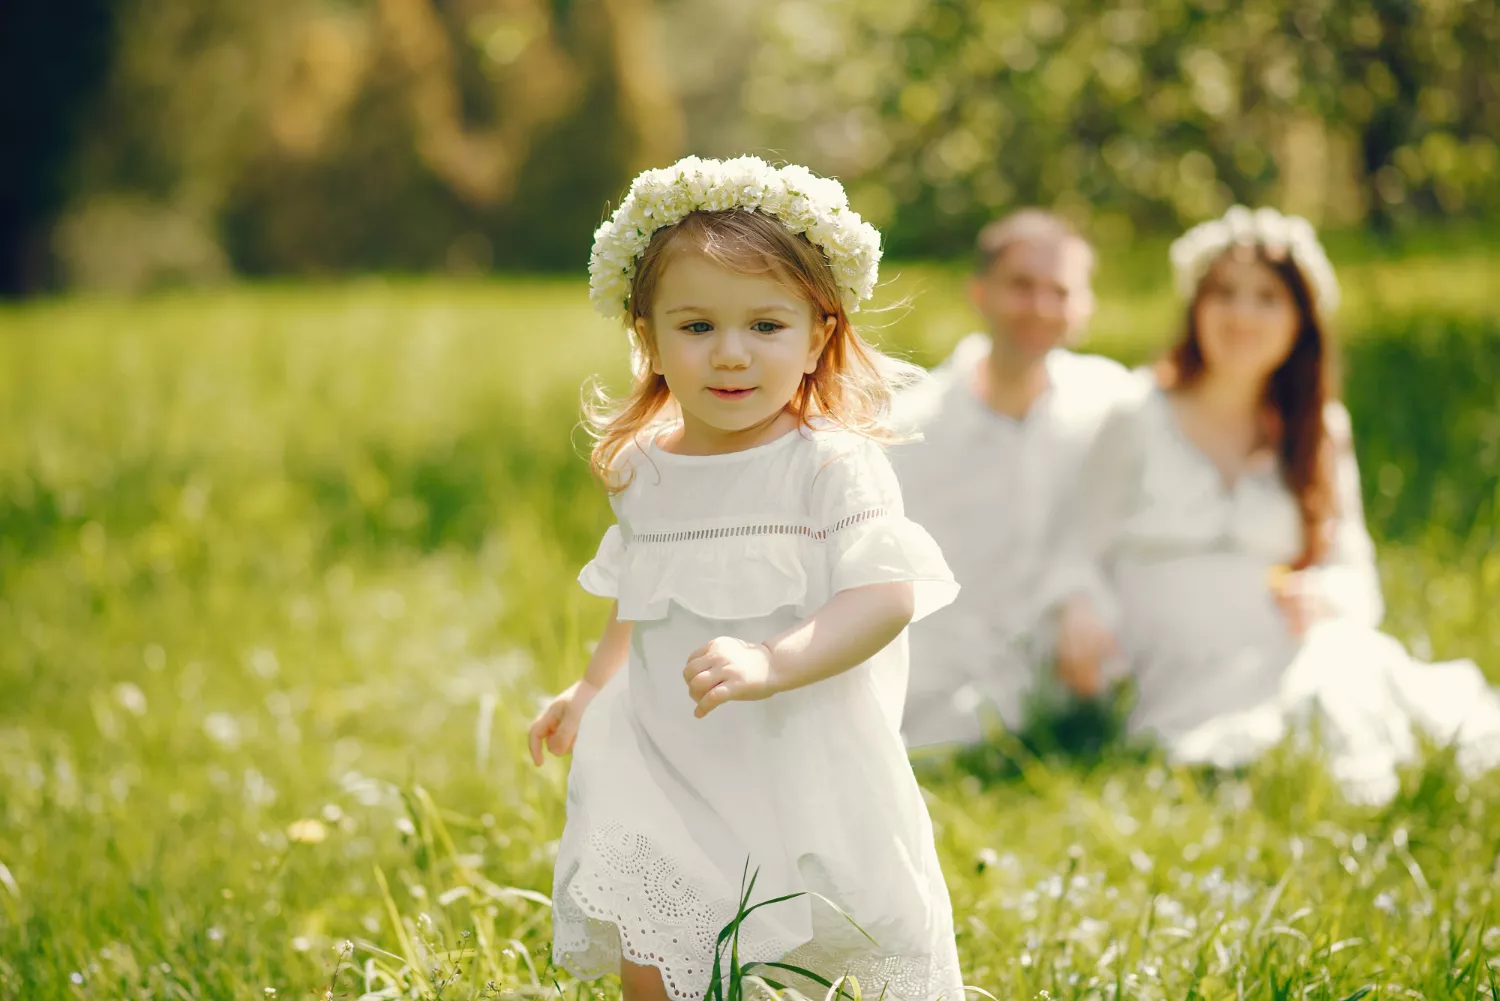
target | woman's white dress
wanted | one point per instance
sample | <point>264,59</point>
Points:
<point>811,788</point>
<point>1181,565</point>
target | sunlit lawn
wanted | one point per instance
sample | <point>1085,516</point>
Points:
<point>284,570</point>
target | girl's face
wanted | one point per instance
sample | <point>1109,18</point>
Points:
<point>732,347</point>
<point>1246,317</point>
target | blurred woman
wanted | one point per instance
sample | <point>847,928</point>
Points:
<point>1219,545</point>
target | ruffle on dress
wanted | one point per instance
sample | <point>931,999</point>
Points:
<point>750,571</point>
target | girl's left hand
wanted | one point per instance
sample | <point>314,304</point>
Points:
<point>728,669</point>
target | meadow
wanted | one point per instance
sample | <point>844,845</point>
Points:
<point>284,571</point>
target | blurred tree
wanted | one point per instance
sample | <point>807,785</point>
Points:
<point>313,136</point>
<point>53,56</point>
<point>1141,114</point>
<point>319,136</point>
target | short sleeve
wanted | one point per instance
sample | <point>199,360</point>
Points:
<point>857,507</point>
<point>601,575</point>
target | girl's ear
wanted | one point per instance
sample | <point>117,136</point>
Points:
<point>642,328</point>
<point>820,337</point>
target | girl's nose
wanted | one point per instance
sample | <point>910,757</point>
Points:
<point>730,350</point>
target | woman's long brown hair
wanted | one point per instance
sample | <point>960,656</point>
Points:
<point>1293,409</point>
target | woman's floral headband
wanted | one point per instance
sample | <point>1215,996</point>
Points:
<point>800,200</point>
<point>1195,251</point>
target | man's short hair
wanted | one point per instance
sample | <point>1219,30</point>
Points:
<point>1020,226</point>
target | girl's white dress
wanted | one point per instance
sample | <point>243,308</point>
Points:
<point>811,788</point>
<point>1182,565</point>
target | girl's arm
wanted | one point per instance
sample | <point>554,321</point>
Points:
<point>611,653</point>
<point>557,724</point>
<point>852,627</point>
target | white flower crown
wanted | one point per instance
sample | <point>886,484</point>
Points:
<point>799,199</point>
<point>1195,251</point>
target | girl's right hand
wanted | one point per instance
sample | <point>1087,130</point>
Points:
<point>1084,642</point>
<point>557,724</point>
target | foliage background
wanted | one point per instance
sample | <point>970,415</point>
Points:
<point>179,140</point>
<point>285,564</point>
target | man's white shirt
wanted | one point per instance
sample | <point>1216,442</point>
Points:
<point>991,489</point>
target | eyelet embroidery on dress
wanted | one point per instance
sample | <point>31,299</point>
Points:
<point>636,903</point>
<point>742,531</point>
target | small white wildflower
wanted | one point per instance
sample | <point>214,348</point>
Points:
<point>223,729</point>
<point>264,663</point>
<point>308,831</point>
<point>1090,930</point>
<point>131,698</point>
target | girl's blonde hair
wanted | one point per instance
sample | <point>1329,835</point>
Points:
<point>851,387</point>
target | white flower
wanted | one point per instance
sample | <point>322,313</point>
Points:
<point>309,831</point>
<point>223,729</point>
<point>1195,251</point>
<point>802,201</point>
<point>131,698</point>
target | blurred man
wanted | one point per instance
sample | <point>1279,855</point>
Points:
<point>1006,421</point>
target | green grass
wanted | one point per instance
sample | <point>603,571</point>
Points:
<point>283,572</point>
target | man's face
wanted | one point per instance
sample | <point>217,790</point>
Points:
<point>1035,295</point>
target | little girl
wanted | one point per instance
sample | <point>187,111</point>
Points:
<point>762,574</point>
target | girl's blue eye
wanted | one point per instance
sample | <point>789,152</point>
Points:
<point>698,327</point>
<point>765,327</point>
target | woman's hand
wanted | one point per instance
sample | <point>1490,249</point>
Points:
<point>557,724</point>
<point>728,670</point>
<point>1084,642</point>
<point>1297,596</point>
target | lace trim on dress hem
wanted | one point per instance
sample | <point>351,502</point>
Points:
<point>624,897</point>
